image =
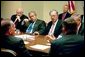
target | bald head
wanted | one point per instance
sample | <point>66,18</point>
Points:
<point>19,11</point>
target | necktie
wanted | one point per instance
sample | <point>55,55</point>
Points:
<point>29,28</point>
<point>63,17</point>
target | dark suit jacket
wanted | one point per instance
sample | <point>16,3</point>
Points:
<point>81,29</point>
<point>57,30</point>
<point>38,26</point>
<point>68,45</point>
<point>67,15</point>
<point>19,24</point>
<point>15,44</point>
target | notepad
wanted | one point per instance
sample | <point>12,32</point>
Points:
<point>40,47</point>
<point>26,37</point>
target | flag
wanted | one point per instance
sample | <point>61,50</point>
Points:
<point>71,5</point>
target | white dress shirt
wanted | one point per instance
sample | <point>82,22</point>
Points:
<point>52,29</point>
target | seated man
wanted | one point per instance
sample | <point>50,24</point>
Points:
<point>80,24</point>
<point>9,41</point>
<point>70,43</point>
<point>18,19</point>
<point>54,26</point>
<point>34,25</point>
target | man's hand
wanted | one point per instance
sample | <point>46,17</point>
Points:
<point>50,37</point>
<point>18,18</point>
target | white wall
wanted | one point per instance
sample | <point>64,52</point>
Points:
<point>42,8</point>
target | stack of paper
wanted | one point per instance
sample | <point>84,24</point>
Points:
<point>26,37</point>
<point>40,47</point>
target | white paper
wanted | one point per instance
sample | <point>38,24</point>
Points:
<point>26,37</point>
<point>60,36</point>
<point>48,44</point>
<point>26,42</point>
<point>40,47</point>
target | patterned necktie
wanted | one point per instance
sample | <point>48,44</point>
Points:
<point>29,28</point>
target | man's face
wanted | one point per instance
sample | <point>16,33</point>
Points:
<point>12,29</point>
<point>19,13</point>
<point>54,16</point>
<point>32,16</point>
<point>65,9</point>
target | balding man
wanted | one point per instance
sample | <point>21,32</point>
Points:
<point>18,18</point>
<point>54,26</point>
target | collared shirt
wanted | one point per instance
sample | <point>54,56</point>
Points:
<point>78,28</point>
<point>52,29</point>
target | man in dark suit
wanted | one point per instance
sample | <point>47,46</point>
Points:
<point>69,44</point>
<point>18,19</point>
<point>53,27</point>
<point>65,13</point>
<point>34,25</point>
<point>9,41</point>
<point>80,24</point>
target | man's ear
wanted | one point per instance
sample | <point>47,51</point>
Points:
<point>64,30</point>
<point>9,31</point>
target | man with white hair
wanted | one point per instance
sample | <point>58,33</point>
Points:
<point>18,19</point>
<point>54,26</point>
<point>80,25</point>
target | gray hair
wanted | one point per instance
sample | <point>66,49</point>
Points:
<point>52,11</point>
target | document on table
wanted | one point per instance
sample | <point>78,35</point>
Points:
<point>26,42</point>
<point>26,37</point>
<point>40,47</point>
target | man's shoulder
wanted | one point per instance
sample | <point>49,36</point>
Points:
<point>60,13</point>
<point>40,21</point>
<point>24,16</point>
<point>15,39</point>
<point>14,15</point>
<point>68,37</point>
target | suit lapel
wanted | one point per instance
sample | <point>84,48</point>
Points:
<point>57,26</point>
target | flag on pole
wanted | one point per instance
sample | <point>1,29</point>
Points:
<point>71,5</point>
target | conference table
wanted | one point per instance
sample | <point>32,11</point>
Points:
<point>39,43</point>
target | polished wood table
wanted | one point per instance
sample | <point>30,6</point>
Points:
<point>39,39</point>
